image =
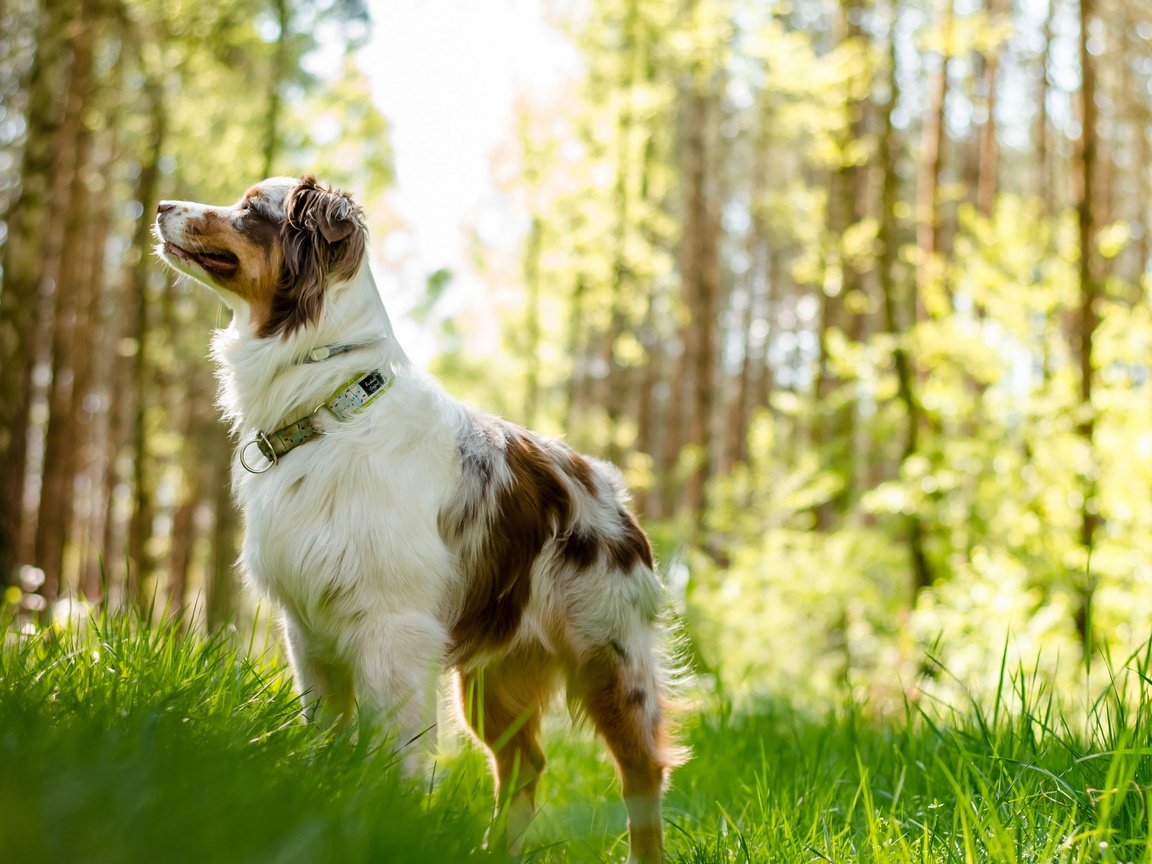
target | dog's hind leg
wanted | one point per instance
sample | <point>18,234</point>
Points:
<point>620,689</point>
<point>502,704</point>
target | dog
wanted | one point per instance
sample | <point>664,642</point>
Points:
<point>400,532</point>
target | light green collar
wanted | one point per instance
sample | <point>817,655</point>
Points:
<point>346,402</point>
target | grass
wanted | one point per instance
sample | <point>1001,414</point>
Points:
<point>140,744</point>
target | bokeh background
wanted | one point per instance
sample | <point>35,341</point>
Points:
<point>856,293</point>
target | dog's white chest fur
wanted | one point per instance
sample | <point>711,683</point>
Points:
<point>344,529</point>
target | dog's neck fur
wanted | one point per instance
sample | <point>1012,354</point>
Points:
<point>265,382</point>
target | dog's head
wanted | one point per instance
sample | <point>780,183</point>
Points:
<point>276,249</point>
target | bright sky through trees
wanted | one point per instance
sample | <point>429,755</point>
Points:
<point>445,73</point>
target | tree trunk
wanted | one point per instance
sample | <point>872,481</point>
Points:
<point>221,588</point>
<point>928,218</point>
<point>140,588</point>
<point>95,396</point>
<point>623,281</point>
<point>989,150</point>
<point>834,431</point>
<point>532,251</point>
<point>922,575</point>
<point>647,410</point>
<point>91,425</point>
<point>198,414</point>
<point>113,547</point>
<point>1087,318</point>
<point>28,222</point>
<point>577,352</point>
<point>700,271</point>
<point>275,96</point>
<point>70,336</point>
<point>1045,189</point>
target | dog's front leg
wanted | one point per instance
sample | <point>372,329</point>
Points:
<point>398,658</point>
<point>324,684</point>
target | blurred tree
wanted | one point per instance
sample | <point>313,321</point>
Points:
<point>27,270</point>
<point>1087,321</point>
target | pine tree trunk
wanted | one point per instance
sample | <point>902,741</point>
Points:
<point>987,181</point>
<point>28,222</point>
<point>1045,189</point>
<point>574,409</point>
<point>91,424</point>
<point>276,83</point>
<point>841,298</point>
<point>140,588</point>
<point>701,275</point>
<point>928,217</point>
<point>221,587</point>
<point>922,575</point>
<point>755,287</point>
<point>184,518</point>
<point>1088,317</point>
<point>72,302</point>
<point>647,408</point>
<point>623,281</point>
<point>532,251</point>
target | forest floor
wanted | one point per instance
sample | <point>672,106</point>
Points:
<point>139,744</point>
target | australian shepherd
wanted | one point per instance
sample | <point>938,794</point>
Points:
<point>401,533</point>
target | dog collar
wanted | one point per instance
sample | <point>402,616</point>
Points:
<point>346,402</point>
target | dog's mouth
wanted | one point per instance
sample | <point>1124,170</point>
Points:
<point>217,262</point>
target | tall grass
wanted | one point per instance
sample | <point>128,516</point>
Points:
<point>137,743</point>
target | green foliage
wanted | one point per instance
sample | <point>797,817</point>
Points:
<point>998,486</point>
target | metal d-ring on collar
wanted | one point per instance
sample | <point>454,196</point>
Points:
<point>262,443</point>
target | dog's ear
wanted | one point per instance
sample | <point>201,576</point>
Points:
<point>337,216</point>
<point>323,238</point>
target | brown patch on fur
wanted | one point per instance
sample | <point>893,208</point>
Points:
<point>518,497</point>
<point>579,548</point>
<point>323,237</point>
<point>529,511</point>
<point>635,697</point>
<point>625,552</point>
<point>632,546</point>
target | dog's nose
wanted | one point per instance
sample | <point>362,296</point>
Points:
<point>166,206</point>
